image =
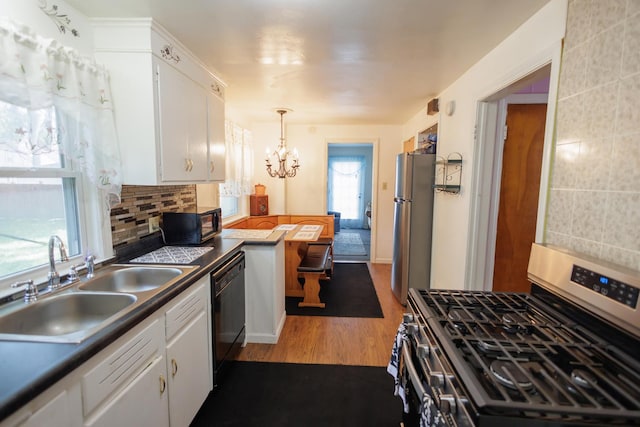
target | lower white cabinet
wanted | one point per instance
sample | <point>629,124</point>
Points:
<point>265,299</point>
<point>188,365</point>
<point>57,412</point>
<point>171,389</point>
<point>157,374</point>
<point>141,403</point>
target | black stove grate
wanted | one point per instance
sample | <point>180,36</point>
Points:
<point>517,356</point>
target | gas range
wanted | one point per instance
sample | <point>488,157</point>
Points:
<point>542,359</point>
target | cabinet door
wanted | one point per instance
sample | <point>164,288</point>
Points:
<point>142,403</point>
<point>189,371</point>
<point>182,126</point>
<point>217,153</point>
<point>54,413</point>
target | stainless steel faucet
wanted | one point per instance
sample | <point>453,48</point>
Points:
<point>90,262</point>
<point>53,276</point>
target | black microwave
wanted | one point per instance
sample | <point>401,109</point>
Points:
<point>191,228</point>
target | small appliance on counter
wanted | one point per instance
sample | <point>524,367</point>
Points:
<point>192,227</point>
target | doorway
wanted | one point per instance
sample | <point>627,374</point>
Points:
<point>519,189</point>
<point>349,198</point>
<point>504,224</point>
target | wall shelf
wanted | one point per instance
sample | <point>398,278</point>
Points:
<point>448,173</point>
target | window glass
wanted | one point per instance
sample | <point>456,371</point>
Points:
<point>39,196</point>
<point>346,185</point>
<point>229,206</point>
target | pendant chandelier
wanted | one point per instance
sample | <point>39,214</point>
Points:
<point>281,155</point>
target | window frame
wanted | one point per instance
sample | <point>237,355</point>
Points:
<point>94,226</point>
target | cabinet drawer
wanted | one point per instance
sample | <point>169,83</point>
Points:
<point>186,308</point>
<point>121,366</point>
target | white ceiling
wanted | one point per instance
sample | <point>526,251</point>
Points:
<point>331,61</point>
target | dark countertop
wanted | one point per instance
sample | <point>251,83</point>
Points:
<point>29,368</point>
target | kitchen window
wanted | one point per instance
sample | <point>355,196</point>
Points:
<point>59,157</point>
<point>39,191</point>
<point>239,170</point>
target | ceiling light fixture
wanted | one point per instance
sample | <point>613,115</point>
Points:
<point>281,154</point>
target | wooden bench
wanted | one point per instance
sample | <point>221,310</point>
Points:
<point>313,267</point>
<point>328,271</point>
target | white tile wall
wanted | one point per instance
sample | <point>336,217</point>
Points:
<point>594,202</point>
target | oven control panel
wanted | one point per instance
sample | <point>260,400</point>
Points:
<point>611,288</point>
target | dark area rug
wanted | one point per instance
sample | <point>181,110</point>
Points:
<point>264,394</point>
<point>349,293</point>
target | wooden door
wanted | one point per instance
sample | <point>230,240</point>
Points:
<point>519,190</point>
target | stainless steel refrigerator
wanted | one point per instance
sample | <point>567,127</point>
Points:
<point>412,223</point>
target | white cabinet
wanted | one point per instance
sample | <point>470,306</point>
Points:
<point>157,374</point>
<point>216,133</point>
<point>54,413</point>
<point>143,402</point>
<point>188,360</point>
<point>265,299</point>
<point>169,109</point>
<point>188,354</point>
<point>182,119</point>
<point>161,375</point>
<point>115,366</point>
<point>60,405</point>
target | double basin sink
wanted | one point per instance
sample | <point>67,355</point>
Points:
<point>81,309</point>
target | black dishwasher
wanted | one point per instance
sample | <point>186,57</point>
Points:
<point>228,313</point>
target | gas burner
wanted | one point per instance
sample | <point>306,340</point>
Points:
<point>513,324</point>
<point>456,329</point>
<point>509,375</point>
<point>459,315</point>
<point>583,378</point>
<point>512,318</point>
<point>489,346</point>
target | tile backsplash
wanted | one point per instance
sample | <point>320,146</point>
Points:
<point>594,202</point>
<point>130,219</point>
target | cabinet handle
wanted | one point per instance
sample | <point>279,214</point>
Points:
<point>174,367</point>
<point>163,384</point>
<point>186,165</point>
<point>212,168</point>
<point>190,165</point>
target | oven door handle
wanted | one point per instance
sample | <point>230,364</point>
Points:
<point>413,374</point>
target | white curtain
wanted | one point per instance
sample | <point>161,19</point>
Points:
<point>38,73</point>
<point>239,161</point>
<point>346,188</point>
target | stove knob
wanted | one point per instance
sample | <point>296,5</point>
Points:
<point>423,350</point>
<point>447,404</point>
<point>436,379</point>
<point>412,328</point>
<point>407,318</point>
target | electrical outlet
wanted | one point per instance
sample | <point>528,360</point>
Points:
<point>154,224</point>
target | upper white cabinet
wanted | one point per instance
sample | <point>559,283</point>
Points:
<point>169,109</point>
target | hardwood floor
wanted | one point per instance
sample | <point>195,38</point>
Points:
<point>337,340</point>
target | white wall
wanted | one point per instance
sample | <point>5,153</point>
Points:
<point>28,12</point>
<point>307,192</point>
<point>267,135</point>
<point>528,48</point>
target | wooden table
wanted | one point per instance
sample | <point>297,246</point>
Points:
<point>295,247</point>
